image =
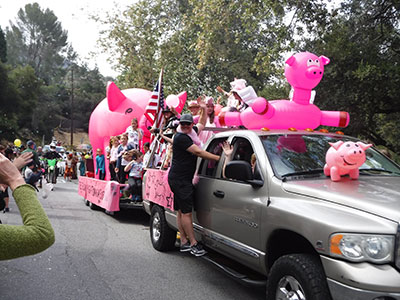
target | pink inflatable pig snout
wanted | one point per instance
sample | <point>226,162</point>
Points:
<point>314,73</point>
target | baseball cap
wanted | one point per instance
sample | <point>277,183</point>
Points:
<point>186,118</point>
<point>166,109</point>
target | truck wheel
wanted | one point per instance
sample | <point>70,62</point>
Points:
<point>162,236</point>
<point>297,277</point>
<point>93,206</point>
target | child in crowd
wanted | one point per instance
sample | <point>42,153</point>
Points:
<point>135,134</point>
<point>68,167</point>
<point>114,142</point>
<point>32,174</point>
<point>121,161</point>
<point>100,164</point>
<point>135,169</point>
<point>146,158</point>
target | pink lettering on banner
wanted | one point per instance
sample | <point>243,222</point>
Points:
<point>157,188</point>
<point>102,193</point>
<point>82,186</point>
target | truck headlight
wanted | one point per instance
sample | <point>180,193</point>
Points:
<point>363,247</point>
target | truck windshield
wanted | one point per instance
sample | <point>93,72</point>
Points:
<point>304,155</point>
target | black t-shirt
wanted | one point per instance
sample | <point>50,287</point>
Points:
<point>183,163</point>
<point>52,155</point>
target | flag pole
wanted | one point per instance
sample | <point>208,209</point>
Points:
<point>159,95</point>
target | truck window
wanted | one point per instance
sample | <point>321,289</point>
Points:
<point>243,150</point>
<point>209,167</point>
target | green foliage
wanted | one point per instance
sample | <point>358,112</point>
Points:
<point>37,39</point>
<point>35,87</point>
<point>3,47</point>
<point>363,77</point>
<point>201,44</point>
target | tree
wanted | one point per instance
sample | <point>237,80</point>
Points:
<point>37,39</point>
<point>3,47</point>
<point>362,39</point>
<point>201,44</point>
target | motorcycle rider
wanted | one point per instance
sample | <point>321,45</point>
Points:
<point>52,154</point>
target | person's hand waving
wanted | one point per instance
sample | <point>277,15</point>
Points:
<point>9,174</point>
<point>228,148</point>
<point>22,160</point>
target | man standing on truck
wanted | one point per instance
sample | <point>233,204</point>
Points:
<point>180,177</point>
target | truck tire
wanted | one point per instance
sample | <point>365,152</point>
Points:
<point>93,206</point>
<point>297,276</point>
<point>162,236</point>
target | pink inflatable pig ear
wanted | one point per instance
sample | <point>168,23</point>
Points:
<point>364,146</point>
<point>290,61</point>
<point>336,145</point>
<point>182,100</point>
<point>114,96</point>
<point>324,60</point>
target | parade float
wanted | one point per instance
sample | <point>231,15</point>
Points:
<point>113,115</point>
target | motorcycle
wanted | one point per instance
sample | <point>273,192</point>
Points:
<point>52,170</point>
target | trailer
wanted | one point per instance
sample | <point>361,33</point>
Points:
<point>105,194</point>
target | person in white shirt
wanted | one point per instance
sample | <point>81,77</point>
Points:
<point>135,169</point>
<point>135,134</point>
<point>113,157</point>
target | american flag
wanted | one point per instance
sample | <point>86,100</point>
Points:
<point>155,106</point>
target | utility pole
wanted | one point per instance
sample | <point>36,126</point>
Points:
<point>72,106</point>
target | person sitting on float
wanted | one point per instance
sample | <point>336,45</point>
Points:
<point>135,134</point>
<point>135,169</point>
<point>240,95</point>
<point>211,120</point>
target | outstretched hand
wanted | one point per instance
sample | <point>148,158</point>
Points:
<point>227,148</point>
<point>22,160</point>
<point>9,174</point>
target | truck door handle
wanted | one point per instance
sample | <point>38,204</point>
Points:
<point>219,194</point>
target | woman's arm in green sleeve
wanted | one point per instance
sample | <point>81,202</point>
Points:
<point>35,235</point>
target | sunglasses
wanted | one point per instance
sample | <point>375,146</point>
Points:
<point>185,124</point>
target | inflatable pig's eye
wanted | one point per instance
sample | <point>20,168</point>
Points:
<point>347,145</point>
<point>310,62</point>
<point>128,111</point>
<point>356,145</point>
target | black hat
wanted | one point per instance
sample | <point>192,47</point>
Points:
<point>166,109</point>
<point>186,118</point>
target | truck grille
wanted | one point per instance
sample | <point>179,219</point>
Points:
<point>397,249</point>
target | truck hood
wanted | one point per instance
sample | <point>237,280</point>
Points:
<point>378,195</point>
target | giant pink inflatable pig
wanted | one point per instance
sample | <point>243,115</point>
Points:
<point>303,71</point>
<point>344,158</point>
<point>114,114</point>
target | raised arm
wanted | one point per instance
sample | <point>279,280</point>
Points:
<point>36,233</point>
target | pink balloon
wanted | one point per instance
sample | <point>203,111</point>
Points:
<point>114,114</point>
<point>172,101</point>
<point>303,71</point>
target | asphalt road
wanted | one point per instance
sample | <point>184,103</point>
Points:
<point>97,256</point>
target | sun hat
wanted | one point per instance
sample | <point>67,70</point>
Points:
<point>193,103</point>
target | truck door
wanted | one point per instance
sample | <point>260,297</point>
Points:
<point>230,210</point>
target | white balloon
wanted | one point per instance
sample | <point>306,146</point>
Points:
<point>172,101</point>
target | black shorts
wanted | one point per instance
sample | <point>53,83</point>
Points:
<point>4,194</point>
<point>183,194</point>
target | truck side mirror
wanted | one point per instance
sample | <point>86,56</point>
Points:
<point>241,170</point>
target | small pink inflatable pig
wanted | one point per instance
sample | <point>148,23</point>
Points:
<point>344,158</point>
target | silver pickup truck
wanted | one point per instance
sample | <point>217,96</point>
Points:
<point>310,237</point>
